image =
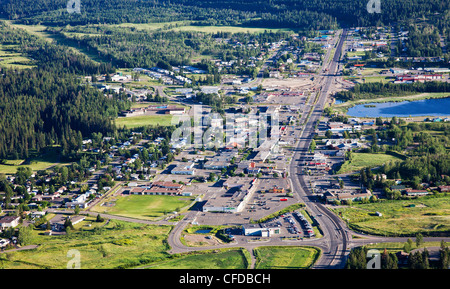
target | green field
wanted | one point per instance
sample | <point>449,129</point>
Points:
<point>11,59</point>
<point>429,215</point>
<point>116,245</point>
<point>42,162</point>
<point>147,207</point>
<point>398,246</point>
<point>227,259</point>
<point>362,160</point>
<point>286,257</point>
<point>186,26</point>
<point>369,79</point>
<point>144,120</point>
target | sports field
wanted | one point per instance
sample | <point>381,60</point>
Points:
<point>148,207</point>
<point>144,120</point>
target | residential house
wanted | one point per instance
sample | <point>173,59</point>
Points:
<point>9,222</point>
<point>415,193</point>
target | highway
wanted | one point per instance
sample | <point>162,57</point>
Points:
<point>335,239</point>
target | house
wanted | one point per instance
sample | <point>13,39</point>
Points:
<point>57,222</point>
<point>331,196</point>
<point>274,74</point>
<point>210,90</point>
<point>402,257</point>
<point>9,222</point>
<point>415,193</point>
<point>339,127</point>
<point>444,189</point>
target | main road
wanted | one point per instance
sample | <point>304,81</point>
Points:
<point>335,238</point>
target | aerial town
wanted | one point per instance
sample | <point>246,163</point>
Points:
<point>315,141</point>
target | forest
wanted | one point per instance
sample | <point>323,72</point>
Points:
<point>359,257</point>
<point>130,47</point>
<point>40,109</point>
<point>49,56</point>
<point>423,42</point>
<point>50,105</point>
<point>424,149</point>
<point>304,14</point>
<point>379,89</point>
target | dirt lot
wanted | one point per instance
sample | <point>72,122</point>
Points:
<point>293,83</point>
<point>201,240</point>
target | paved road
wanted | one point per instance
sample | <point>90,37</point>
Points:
<point>334,242</point>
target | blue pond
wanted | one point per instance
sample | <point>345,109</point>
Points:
<point>202,231</point>
<point>426,107</point>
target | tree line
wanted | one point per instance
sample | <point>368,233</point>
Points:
<point>314,14</point>
<point>379,89</point>
<point>360,258</point>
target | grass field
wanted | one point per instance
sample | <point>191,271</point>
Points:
<point>227,259</point>
<point>398,246</point>
<point>186,26</point>
<point>362,160</point>
<point>370,79</point>
<point>429,215</point>
<point>145,206</point>
<point>144,120</point>
<point>117,244</point>
<point>286,257</point>
<point>41,162</point>
<point>11,59</point>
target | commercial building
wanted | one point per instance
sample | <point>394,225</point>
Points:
<point>154,109</point>
<point>238,192</point>
<point>157,188</point>
<point>221,160</point>
<point>183,169</point>
<point>263,230</point>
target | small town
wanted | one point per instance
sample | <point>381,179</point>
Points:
<point>331,142</point>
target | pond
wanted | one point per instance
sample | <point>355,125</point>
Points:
<point>426,107</point>
<point>202,231</point>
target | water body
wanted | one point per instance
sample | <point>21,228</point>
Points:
<point>426,107</point>
<point>202,231</point>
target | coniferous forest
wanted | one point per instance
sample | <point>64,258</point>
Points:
<point>48,105</point>
<point>317,14</point>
